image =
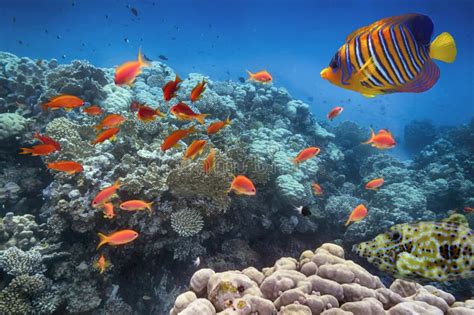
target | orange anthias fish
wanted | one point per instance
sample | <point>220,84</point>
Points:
<point>468,210</point>
<point>148,114</point>
<point>111,121</point>
<point>39,149</point>
<point>108,134</point>
<point>261,76</point>
<point>134,205</point>
<point>391,55</point>
<point>209,162</point>
<point>127,72</point>
<point>359,213</point>
<point>374,184</point>
<point>69,167</point>
<point>93,110</point>
<point>218,125</point>
<point>108,210</point>
<point>335,112</point>
<point>170,88</point>
<point>101,264</point>
<point>241,185</point>
<point>382,140</point>
<point>195,148</point>
<point>318,191</point>
<point>306,154</point>
<point>105,194</point>
<point>121,237</point>
<point>68,102</point>
<point>174,137</point>
<point>184,112</point>
<point>44,139</point>
<point>197,90</point>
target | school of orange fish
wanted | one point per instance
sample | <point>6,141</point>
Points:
<point>109,127</point>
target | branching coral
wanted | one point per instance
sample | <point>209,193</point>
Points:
<point>187,222</point>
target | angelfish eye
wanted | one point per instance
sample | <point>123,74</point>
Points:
<point>334,61</point>
<point>395,236</point>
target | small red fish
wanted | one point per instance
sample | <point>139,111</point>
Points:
<point>468,209</point>
<point>68,102</point>
<point>111,121</point>
<point>174,137</point>
<point>134,205</point>
<point>335,112</point>
<point>318,191</point>
<point>101,264</point>
<point>194,149</point>
<point>359,213</point>
<point>108,134</point>
<point>105,194</point>
<point>197,90</point>
<point>135,106</point>
<point>44,139</point>
<point>218,125</point>
<point>374,184</point>
<point>148,114</point>
<point>170,88</point>
<point>306,154</point>
<point>261,76</point>
<point>39,150</point>
<point>117,238</point>
<point>184,112</point>
<point>127,72</point>
<point>108,210</point>
<point>209,162</point>
<point>242,185</point>
<point>69,167</point>
<point>382,140</point>
<point>93,110</point>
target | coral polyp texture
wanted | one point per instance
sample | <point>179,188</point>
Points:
<point>319,282</point>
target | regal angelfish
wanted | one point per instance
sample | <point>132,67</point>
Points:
<point>437,251</point>
<point>391,55</point>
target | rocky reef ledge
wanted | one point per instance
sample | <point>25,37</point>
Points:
<point>319,282</point>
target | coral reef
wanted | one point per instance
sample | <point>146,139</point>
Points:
<point>193,215</point>
<point>319,282</point>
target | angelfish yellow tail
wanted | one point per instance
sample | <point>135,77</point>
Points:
<point>372,135</point>
<point>443,48</point>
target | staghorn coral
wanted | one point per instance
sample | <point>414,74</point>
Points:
<point>187,222</point>
<point>320,282</point>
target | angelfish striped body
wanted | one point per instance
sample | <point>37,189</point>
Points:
<point>390,55</point>
<point>437,251</point>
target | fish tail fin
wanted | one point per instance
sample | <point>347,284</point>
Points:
<point>45,106</point>
<point>102,240</point>
<point>228,121</point>
<point>177,79</point>
<point>348,222</point>
<point>148,207</point>
<point>159,113</point>
<point>192,129</point>
<point>141,60</point>
<point>250,74</point>
<point>200,118</point>
<point>117,183</point>
<point>372,135</point>
<point>98,128</point>
<point>26,150</point>
<point>443,48</point>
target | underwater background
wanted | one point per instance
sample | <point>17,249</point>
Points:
<point>48,234</point>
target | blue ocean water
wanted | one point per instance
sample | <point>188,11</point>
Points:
<point>293,40</point>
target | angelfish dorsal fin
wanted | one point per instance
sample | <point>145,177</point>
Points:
<point>457,218</point>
